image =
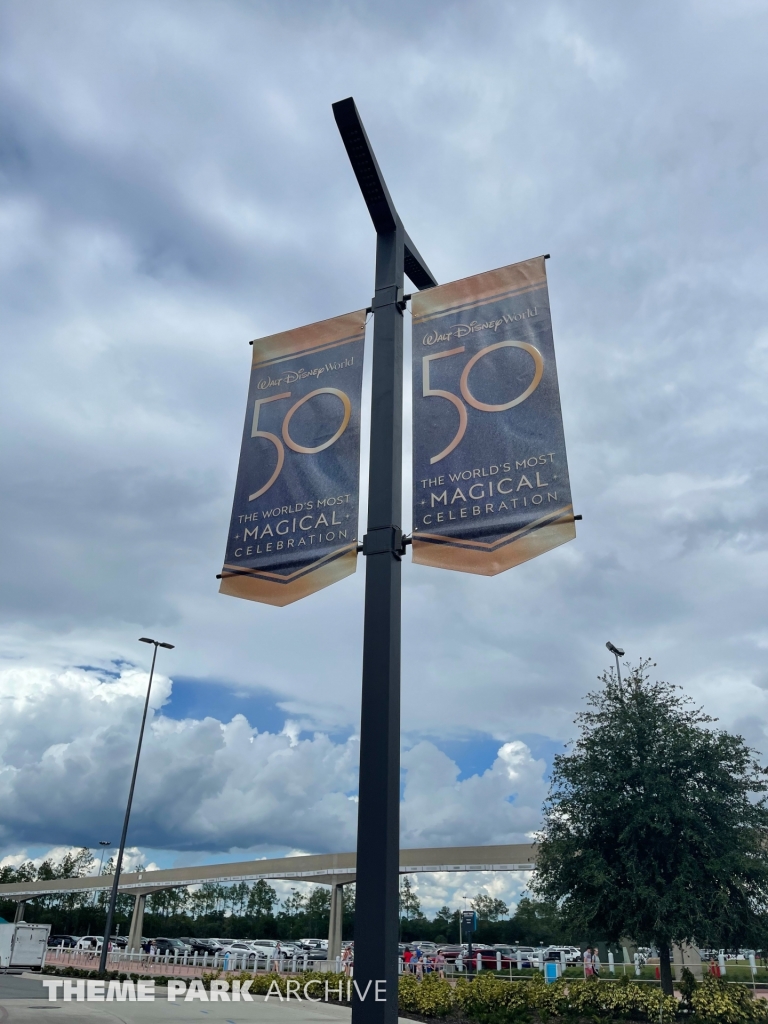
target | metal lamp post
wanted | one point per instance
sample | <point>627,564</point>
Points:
<point>103,843</point>
<point>119,862</point>
<point>378,815</point>
<point>617,651</point>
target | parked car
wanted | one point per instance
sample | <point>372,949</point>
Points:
<point>219,945</point>
<point>449,952</point>
<point>572,953</point>
<point>526,954</point>
<point>288,950</point>
<point>118,941</point>
<point>67,941</point>
<point>201,946</point>
<point>316,948</point>
<point>163,946</point>
<point>240,949</point>
<point>91,943</point>
<point>490,958</point>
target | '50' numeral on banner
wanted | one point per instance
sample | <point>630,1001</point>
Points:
<point>255,432</point>
<point>469,398</point>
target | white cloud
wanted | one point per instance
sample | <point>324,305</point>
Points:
<point>175,186</point>
<point>502,805</point>
<point>67,748</point>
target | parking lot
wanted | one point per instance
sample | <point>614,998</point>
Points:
<point>24,1000</point>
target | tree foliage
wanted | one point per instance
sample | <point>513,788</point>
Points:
<point>656,825</point>
<point>488,908</point>
<point>410,905</point>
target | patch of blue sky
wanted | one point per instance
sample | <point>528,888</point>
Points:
<point>476,753</point>
<point>200,698</point>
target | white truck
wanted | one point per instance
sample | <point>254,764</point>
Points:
<point>23,945</point>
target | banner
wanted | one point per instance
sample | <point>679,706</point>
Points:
<point>294,519</point>
<point>490,487</point>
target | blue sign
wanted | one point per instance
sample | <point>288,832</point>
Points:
<point>551,971</point>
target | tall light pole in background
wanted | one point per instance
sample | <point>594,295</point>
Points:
<point>119,862</point>
<point>617,651</point>
<point>103,843</point>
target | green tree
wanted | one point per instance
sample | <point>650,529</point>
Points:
<point>446,923</point>
<point>538,922</point>
<point>487,908</point>
<point>409,901</point>
<point>655,826</point>
<point>261,900</point>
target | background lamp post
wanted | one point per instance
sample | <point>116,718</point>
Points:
<point>617,651</point>
<point>119,861</point>
<point>103,843</point>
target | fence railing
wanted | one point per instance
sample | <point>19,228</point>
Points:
<point>185,964</point>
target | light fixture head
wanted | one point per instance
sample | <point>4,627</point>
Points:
<point>104,842</point>
<point>168,647</point>
<point>614,650</point>
<point>145,640</point>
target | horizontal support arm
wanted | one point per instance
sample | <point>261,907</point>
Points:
<point>375,192</point>
<point>416,268</point>
<point>366,167</point>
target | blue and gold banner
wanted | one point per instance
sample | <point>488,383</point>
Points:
<point>490,487</point>
<point>294,518</point>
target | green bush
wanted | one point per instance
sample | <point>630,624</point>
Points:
<point>490,1000</point>
<point>431,997</point>
<point>714,1001</point>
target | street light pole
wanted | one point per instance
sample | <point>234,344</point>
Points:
<point>119,862</point>
<point>617,651</point>
<point>103,843</point>
<point>377,919</point>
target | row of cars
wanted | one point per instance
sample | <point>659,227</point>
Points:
<point>259,951</point>
<point>250,950</point>
<point>511,956</point>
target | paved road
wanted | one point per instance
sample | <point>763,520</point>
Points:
<point>23,1000</point>
<point>14,986</point>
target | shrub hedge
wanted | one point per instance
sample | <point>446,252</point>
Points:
<point>488,999</point>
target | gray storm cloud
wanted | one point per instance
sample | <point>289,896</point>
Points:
<point>173,185</point>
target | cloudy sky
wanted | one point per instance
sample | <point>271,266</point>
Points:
<point>173,185</point>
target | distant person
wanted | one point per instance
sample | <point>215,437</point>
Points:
<point>407,957</point>
<point>596,963</point>
<point>440,964</point>
<point>346,959</point>
<point>419,965</point>
<point>588,962</point>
